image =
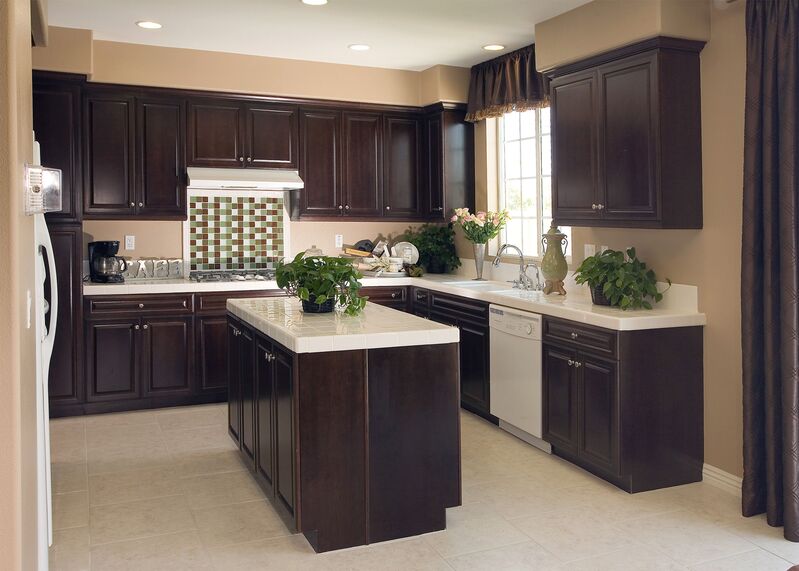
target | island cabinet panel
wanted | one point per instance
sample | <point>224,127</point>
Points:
<point>265,413</point>
<point>634,417</point>
<point>246,365</point>
<point>285,489</point>
<point>234,398</point>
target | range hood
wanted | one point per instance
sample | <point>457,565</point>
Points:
<point>244,179</point>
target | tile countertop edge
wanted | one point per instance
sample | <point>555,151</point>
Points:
<point>586,313</point>
<point>417,332</point>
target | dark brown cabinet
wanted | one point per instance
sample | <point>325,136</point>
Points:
<point>108,151</point>
<point>265,412</point>
<point>320,164</point>
<point>362,163</point>
<point>57,125</point>
<point>211,354</point>
<point>626,130</point>
<point>234,380</point>
<point>160,159</point>
<point>66,386</point>
<point>284,426</point>
<point>402,166</point>
<point>393,297</point>
<point>112,359</point>
<point>448,162</point>
<point>621,406</point>
<point>235,133</point>
<point>247,391</point>
<point>167,355</point>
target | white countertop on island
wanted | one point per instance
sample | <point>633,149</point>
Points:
<point>678,309</point>
<point>282,320</point>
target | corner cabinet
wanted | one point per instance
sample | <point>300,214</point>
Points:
<point>626,129</point>
<point>620,405</point>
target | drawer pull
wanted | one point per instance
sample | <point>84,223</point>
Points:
<point>136,327</point>
<point>132,204</point>
<point>571,362</point>
<point>577,364</point>
<point>141,306</point>
<point>394,295</point>
<point>574,335</point>
<point>184,303</point>
<point>145,326</point>
<point>388,208</point>
<point>141,204</point>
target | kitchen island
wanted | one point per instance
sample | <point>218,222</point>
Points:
<point>350,424</point>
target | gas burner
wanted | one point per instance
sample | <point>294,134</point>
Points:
<point>232,275</point>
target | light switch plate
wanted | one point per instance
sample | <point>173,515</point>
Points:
<point>339,240</point>
<point>589,250</point>
<point>130,242</point>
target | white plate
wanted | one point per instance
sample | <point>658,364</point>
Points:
<point>399,247</point>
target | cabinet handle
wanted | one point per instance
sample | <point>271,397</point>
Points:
<point>141,306</point>
<point>388,208</point>
<point>571,363</point>
<point>132,204</point>
<point>241,159</point>
<point>600,206</point>
<point>184,303</point>
<point>439,208</point>
<point>577,364</point>
<point>593,207</point>
<point>340,207</point>
<point>141,204</point>
<point>394,295</point>
<point>574,335</point>
<point>346,207</point>
<point>136,327</point>
<point>145,326</point>
<point>249,159</point>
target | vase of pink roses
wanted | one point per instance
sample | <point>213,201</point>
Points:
<point>479,229</point>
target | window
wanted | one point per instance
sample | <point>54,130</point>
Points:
<point>525,179</point>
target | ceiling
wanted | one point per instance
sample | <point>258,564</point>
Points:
<point>403,34</point>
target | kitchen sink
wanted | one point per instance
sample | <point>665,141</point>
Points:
<point>481,286</point>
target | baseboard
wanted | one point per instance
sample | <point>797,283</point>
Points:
<point>722,480</point>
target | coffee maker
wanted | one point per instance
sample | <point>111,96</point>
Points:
<point>104,264</point>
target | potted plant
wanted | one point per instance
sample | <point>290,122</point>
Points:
<point>321,282</point>
<point>436,245</point>
<point>619,280</point>
<point>479,229</point>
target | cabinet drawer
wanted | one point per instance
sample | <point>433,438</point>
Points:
<point>579,336</point>
<point>459,306</point>
<point>385,295</point>
<point>108,306</point>
<point>217,302</point>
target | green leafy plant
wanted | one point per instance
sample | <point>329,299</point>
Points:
<point>436,245</point>
<point>318,279</point>
<point>624,281</point>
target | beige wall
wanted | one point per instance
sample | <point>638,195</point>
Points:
<point>17,343</point>
<point>605,24</point>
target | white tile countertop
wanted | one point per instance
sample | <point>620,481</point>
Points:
<point>283,320</point>
<point>678,308</point>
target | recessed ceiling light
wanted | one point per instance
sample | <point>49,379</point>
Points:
<point>148,25</point>
<point>315,2</point>
<point>358,47</point>
<point>494,47</point>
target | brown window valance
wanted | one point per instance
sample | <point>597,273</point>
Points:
<point>507,83</point>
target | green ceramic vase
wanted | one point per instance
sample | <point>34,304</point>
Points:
<point>553,265</point>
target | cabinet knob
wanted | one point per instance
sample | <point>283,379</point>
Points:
<point>141,306</point>
<point>184,303</point>
<point>577,364</point>
<point>340,207</point>
<point>593,207</point>
<point>346,207</point>
<point>241,159</point>
<point>388,208</point>
<point>571,362</point>
<point>574,335</point>
<point>394,295</point>
<point>249,159</point>
<point>136,327</point>
<point>600,206</point>
<point>132,204</point>
<point>145,326</point>
<point>439,209</point>
<point>141,204</point>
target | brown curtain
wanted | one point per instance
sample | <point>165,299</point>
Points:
<point>507,83</point>
<point>770,269</point>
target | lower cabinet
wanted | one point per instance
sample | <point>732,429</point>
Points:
<point>393,297</point>
<point>167,355</point>
<point>211,353</point>
<point>621,405</point>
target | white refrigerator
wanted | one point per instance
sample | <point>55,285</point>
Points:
<point>43,194</point>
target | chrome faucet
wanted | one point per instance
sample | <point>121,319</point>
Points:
<point>524,282</point>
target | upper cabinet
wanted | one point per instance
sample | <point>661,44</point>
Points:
<point>233,133</point>
<point>627,138</point>
<point>402,154</point>
<point>56,122</point>
<point>361,141</point>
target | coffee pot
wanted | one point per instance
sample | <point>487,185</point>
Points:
<point>104,265</point>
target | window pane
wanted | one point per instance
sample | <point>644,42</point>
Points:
<point>513,197</point>
<point>511,126</point>
<point>546,195</point>
<point>546,155</point>
<point>531,237</point>
<point>529,197</point>
<point>514,232</point>
<point>512,160</point>
<point>544,121</point>
<point>528,123</point>
<point>529,157</point>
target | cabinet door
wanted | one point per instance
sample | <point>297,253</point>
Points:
<point>247,390</point>
<point>271,136</point>
<point>434,168</point>
<point>167,355</point>
<point>112,356</point>
<point>475,387</point>
<point>216,133</point>
<point>211,351</point>
<point>401,167</point>
<point>598,415</point>
<point>284,427</point>
<point>320,163</point>
<point>233,382</point>
<point>560,398</point>
<point>160,184</point>
<point>628,143</point>
<point>56,122</point>
<point>265,418</point>
<point>108,156</point>
<point>66,372</point>
<point>574,146</point>
<point>362,163</point>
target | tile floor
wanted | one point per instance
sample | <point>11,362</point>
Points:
<point>165,490</point>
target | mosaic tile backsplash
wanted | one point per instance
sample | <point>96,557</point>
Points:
<point>235,232</point>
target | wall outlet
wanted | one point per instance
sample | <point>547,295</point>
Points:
<point>130,242</point>
<point>589,250</point>
<point>339,240</point>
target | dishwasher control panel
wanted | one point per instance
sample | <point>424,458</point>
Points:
<point>514,322</point>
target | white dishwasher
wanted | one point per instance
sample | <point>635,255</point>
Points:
<point>516,384</point>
